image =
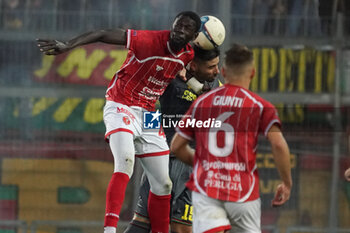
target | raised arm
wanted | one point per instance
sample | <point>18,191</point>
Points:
<point>54,47</point>
<point>280,151</point>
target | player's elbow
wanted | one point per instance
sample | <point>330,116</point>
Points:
<point>174,144</point>
<point>279,145</point>
<point>174,147</point>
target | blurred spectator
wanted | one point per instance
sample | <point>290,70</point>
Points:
<point>242,16</point>
<point>347,16</point>
<point>126,14</point>
<point>261,12</point>
<point>97,14</point>
<point>325,11</point>
<point>40,15</point>
<point>295,14</point>
<point>304,18</point>
<point>313,21</point>
<point>155,14</point>
<point>69,15</point>
<point>196,6</point>
<point>205,7</point>
<point>13,11</point>
<point>278,12</point>
<point>343,7</point>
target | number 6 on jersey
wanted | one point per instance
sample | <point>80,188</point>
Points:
<point>229,131</point>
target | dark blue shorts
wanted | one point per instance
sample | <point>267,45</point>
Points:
<point>181,208</point>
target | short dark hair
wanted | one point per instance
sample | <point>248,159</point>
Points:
<point>205,55</point>
<point>193,16</point>
<point>238,55</point>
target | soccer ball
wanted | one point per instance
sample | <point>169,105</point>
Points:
<point>211,34</point>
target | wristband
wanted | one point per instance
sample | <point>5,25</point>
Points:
<point>195,85</point>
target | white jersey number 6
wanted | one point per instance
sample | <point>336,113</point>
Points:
<point>229,137</point>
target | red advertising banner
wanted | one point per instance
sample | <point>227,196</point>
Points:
<point>93,64</point>
<point>277,69</point>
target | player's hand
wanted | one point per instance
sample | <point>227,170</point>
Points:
<point>52,47</point>
<point>347,174</point>
<point>281,196</point>
<point>182,74</point>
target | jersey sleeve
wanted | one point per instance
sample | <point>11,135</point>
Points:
<point>133,39</point>
<point>269,118</point>
<point>184,127</point>
<point>139,40</point>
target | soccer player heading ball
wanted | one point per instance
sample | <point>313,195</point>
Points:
<point>224,181</point>
<point>175,101</point>
<point>154,59</point>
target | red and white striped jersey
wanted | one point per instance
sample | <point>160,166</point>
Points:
<point>148,69</point>
<point>225,124</point>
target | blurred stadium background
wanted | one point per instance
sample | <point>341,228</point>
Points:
<point>54,163</point>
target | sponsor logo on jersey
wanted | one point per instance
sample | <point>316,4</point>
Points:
<point>159,68</point>
<point>152,120</point>
<point>127,112</point>
<point>151,94</point>
<point>240,167</point>
<point>126,120</point>
<point>189,96</point>
<point>157,82</point>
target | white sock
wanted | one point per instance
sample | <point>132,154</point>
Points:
<point>110,230</point>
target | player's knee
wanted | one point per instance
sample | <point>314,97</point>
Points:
<point>124,163</point>
<point>162,187</point>
<point>123,152</point>
<point>129,163</point>
<point>167,186</point>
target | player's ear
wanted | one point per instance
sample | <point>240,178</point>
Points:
<point>223,71</point>
<point>193,66</point>
<point>252,74</point>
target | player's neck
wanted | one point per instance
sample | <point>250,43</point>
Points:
<point>239,82</point>
<point>175,47</point>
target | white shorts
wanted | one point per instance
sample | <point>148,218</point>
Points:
<point>119,117</point>
<point>212,215</point>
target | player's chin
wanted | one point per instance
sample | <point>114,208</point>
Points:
<point>178,42</point>
<point>211,79</point>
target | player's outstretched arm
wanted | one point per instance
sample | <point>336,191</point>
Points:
<point>281,156</point>
<point>179,146</point>
<point>347,174</point>
<point>54,47</point>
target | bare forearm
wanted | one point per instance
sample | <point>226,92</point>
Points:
<point>55,47</point>
<point>179,146</point>
<point>281,155</point>
<point>185,154</point>
<point>117,36</point>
